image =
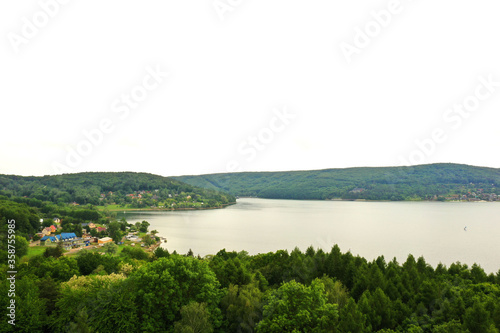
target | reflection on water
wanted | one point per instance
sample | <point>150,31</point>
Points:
<point>393,229</point>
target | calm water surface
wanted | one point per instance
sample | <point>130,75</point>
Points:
<point>393,229</point>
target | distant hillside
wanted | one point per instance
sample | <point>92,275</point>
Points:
<point>136,190</point>
<point>423,182</point>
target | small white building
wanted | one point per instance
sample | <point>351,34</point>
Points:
<point>104,240</point>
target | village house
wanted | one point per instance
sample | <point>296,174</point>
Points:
<point>51,239</point>
<point>104,240</point>
<point>91,240</point>
<point>86,236</point>
<point>70,240</point>
<point>101,229</point>
<point>68,236</point>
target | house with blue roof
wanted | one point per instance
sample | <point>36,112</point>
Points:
<point>52,239</point>
<point>64,236</point>
<point>67,236</point>
<point>69,239</point>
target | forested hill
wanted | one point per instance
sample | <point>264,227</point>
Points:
<point>422,182</point>
<point>137,190</point>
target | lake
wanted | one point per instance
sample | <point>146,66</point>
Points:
<point>434,230</point>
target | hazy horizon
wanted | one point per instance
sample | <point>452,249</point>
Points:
<point>179,88</point>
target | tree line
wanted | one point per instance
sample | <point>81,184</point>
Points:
<point>311,291</point>
<point>421,182</point>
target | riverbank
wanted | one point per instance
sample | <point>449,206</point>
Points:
<point>368,200</point>
<point>420,200</point>
<point>116,208</point>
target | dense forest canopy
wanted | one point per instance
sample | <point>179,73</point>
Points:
<point>99,188</point>
<point>422,182</point>
<point>311,291</point>
<point>86,197</point>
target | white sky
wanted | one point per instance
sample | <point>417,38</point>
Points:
<point>228,77</point>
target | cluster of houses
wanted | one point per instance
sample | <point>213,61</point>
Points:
<point>138,195</point>
<point>472,196</point>
<point>91,225</point>
<point>103,195</point>
<point>50,230</point>
<point>70,240</point>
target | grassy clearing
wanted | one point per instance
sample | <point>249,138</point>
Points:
<point>113,207</point>
<point>119,208</point>
<point>35,250</point>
